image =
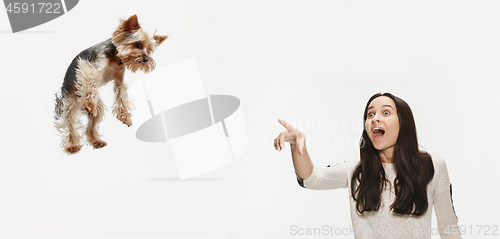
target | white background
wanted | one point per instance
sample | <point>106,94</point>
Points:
<point>313,63</point>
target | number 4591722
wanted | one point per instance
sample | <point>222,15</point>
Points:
<point>479,230</point>
<point>31,8</point>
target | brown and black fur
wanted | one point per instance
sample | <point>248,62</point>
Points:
<point>129,48</point>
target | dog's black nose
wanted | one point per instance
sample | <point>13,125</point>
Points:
<point>144,60</point>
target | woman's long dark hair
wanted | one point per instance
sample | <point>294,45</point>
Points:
<point>414,168</point>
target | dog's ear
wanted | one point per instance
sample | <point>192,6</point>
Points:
<point>159,39</point>
<point>132,23</point>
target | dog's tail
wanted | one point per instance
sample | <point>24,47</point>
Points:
<point>59,106</point>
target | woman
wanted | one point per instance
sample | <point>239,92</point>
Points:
<point>394,185</point>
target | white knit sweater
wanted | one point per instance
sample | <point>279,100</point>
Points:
<point>384,223</point>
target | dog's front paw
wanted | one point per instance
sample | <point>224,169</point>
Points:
<point>72,149</point>
<point>90,107</point>
<point>99,144</point>
<point>125,118</point>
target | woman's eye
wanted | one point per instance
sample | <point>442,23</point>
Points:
<point>138,45</point>
<point>386,112</point>
<point>370,114</point>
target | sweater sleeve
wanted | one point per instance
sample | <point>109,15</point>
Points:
<point>447,220</point>
<point>330,177</point>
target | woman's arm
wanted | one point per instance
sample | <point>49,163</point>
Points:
<point>445,214</point>
<point>443,204</point>
<point>308,176</point>
<point>301,160</point>
<point>302,163</point>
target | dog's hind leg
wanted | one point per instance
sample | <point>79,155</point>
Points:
<point>87,85</point>
<point>68,124</point>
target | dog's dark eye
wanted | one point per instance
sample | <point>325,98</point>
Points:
<point>138,45</point>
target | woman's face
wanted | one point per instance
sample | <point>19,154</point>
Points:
<point>382,123</point>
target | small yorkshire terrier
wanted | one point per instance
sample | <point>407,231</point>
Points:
<point>130,47</point>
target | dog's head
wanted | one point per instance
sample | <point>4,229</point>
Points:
<point>134,45</point>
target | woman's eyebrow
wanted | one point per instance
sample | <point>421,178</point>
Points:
<point>387,106</point>
<point>381,106</point>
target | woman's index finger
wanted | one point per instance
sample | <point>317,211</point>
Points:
<point>285,124</point>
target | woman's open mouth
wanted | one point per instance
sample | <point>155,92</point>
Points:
<point>378,133</point>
